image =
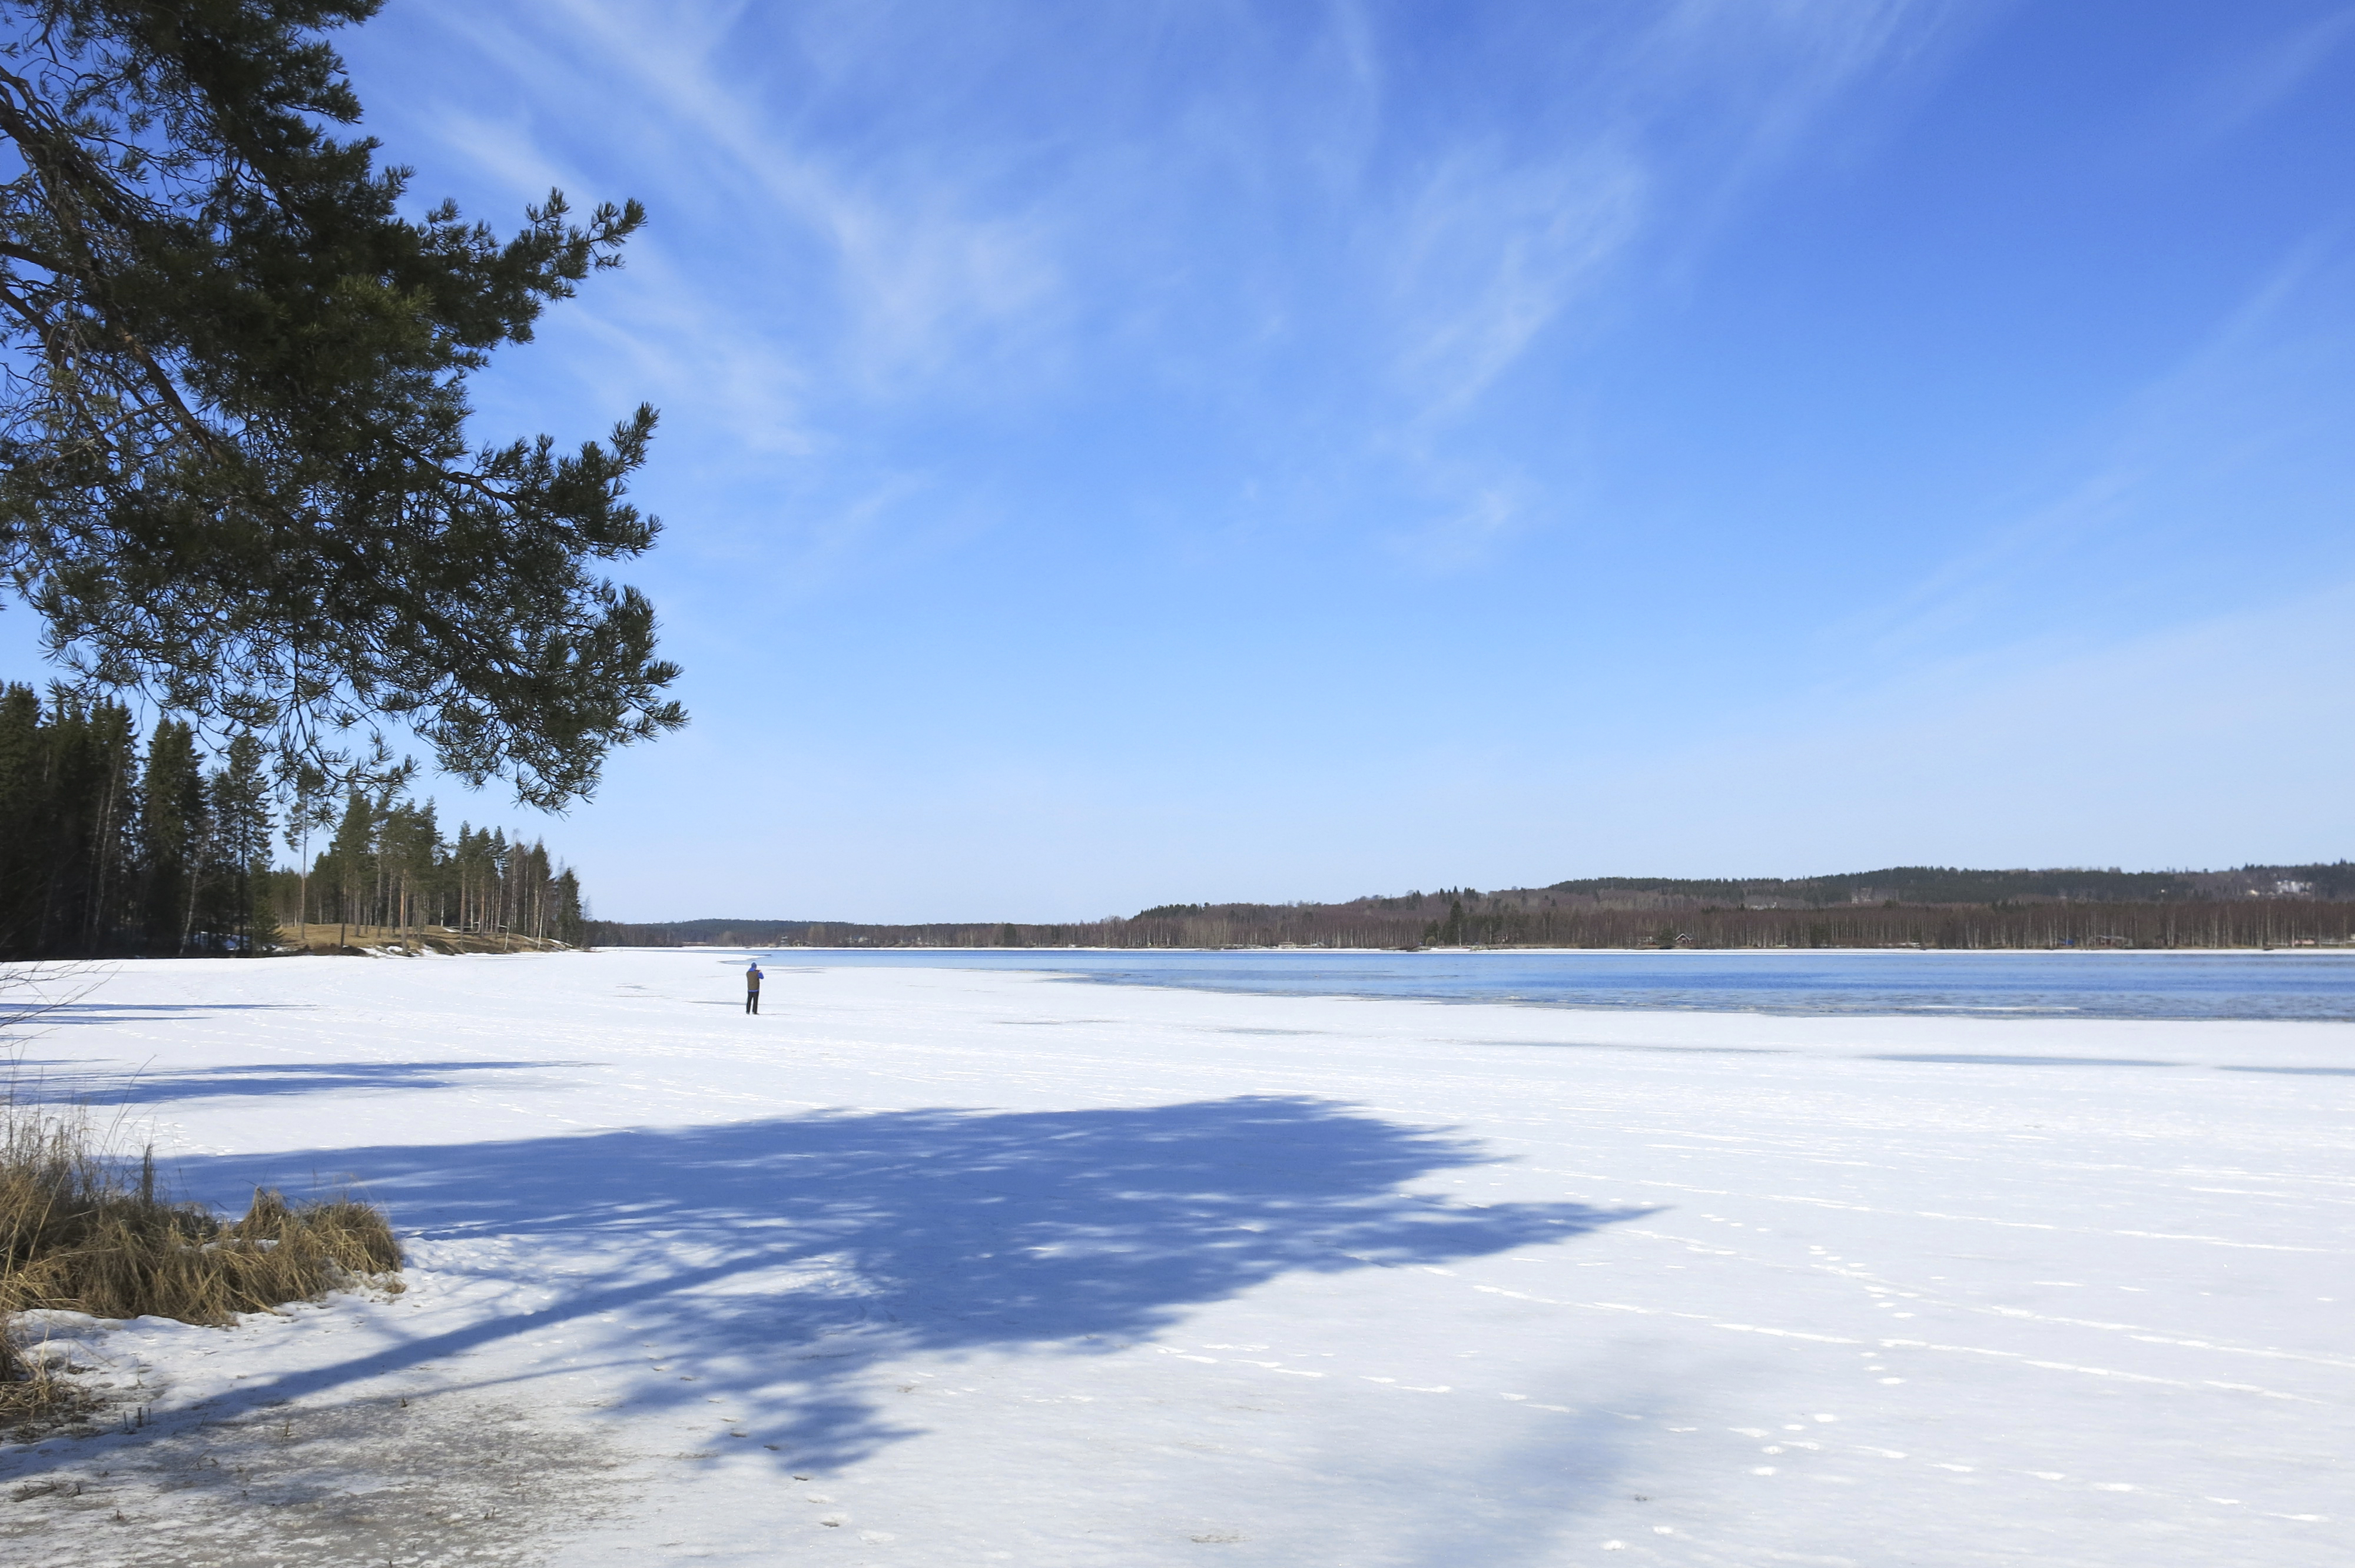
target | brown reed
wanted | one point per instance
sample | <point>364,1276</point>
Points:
<point>85,1233</point>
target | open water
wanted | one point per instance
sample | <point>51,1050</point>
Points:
<point>2291,984</point>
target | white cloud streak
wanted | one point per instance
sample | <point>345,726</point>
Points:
<point>865,212</point>
<point>2275,72</point>
<point>2201,447</point>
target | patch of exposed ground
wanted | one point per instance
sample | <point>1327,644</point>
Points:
<point>451,1480</point>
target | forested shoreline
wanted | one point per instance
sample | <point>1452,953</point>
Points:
<point>107,847</point>
<point>1916,906</point>
<point>2207,924</point>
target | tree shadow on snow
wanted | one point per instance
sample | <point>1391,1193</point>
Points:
<point>258,1078</point>
<point>71,1013</point>
<point>789,1256</point>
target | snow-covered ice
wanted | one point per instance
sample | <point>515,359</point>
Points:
<point>932,1267</point>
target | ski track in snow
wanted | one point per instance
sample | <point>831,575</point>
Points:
<point>930,1266</point>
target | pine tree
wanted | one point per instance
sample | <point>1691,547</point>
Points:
<point>496,860</point>
<point>235,471</point>
<point>352,854</point>
<point>535,880</point>
<point>408,842</point>
<point>310,807</point>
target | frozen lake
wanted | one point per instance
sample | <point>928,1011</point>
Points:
<point>977,1265</point>
<point>2290,983</point>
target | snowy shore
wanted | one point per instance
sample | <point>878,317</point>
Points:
<point>932,1267</point>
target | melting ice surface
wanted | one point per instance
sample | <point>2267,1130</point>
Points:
<point>2177,985</point>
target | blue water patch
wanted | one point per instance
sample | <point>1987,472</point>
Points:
<point>2295,984</point>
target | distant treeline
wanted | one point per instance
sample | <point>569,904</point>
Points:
<point>1954,885</point>
<point>2253,906</point>
<point>105,849</point>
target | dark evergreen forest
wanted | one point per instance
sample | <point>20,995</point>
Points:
<point>110,847</point>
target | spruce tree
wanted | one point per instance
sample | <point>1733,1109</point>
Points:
<point>25,826</point>
<point>240,799</point>
<point>572,921</point>
<point>95,792</point>
<point>171,831</point>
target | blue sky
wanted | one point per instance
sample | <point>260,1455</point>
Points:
<point>1115,454</point>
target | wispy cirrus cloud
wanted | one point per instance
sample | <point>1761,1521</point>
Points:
<point>1486,257</point>
<point>917,260</point>
<point>1320,238</point>
<point>2259,79</point>
<point>1614,155</point>
<point>962,178</point>
<point>2233,440</point>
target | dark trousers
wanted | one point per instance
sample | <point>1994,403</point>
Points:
<point>751,1002</point>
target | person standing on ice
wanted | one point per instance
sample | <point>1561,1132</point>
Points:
<point>753,986</point>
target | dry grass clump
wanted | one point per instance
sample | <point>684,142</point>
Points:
<point>88,1235</point>
<point>33,1397</point>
